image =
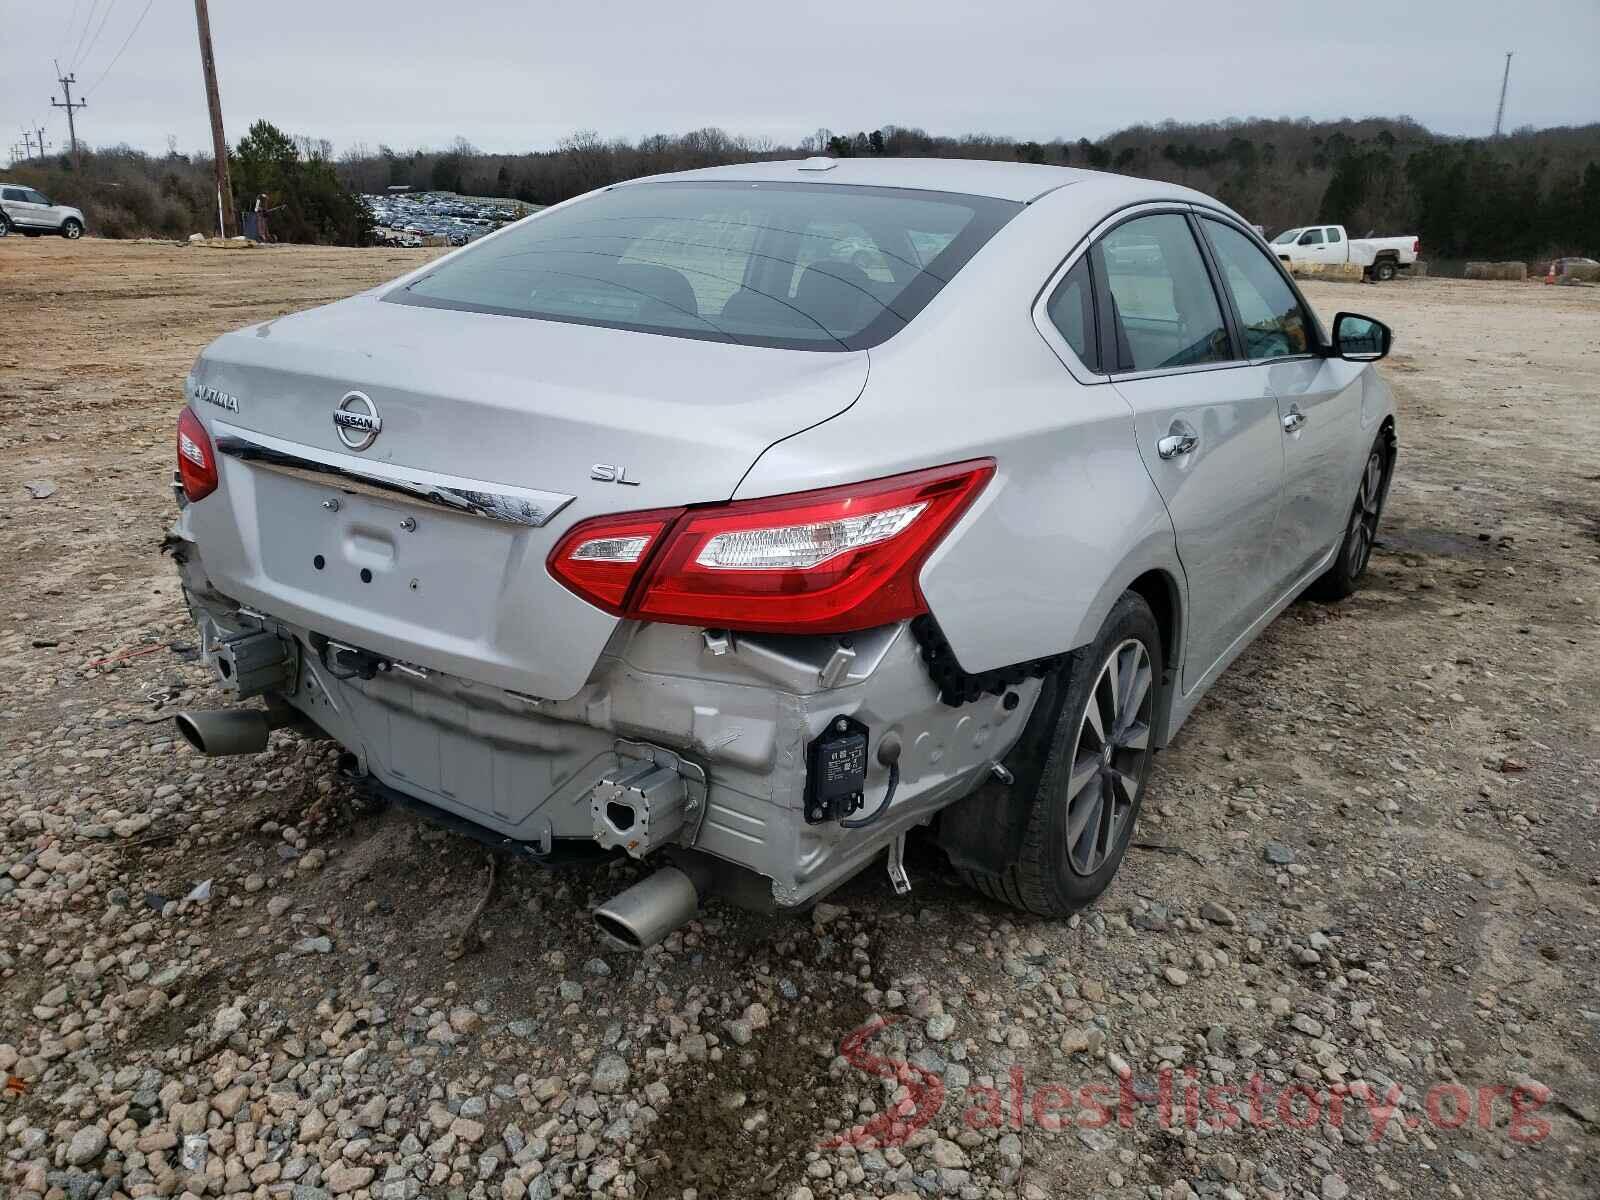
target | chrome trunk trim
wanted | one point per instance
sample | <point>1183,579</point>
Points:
<point>491,501</point>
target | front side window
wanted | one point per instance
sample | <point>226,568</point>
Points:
<point>1164,311</point>
<point>1071,310</point>
<point>1311,237</point>
<point>1273,321</point>
<point>1333,233</point>
<point>33,197</point>
<point>803,266</point>
<point>1286,238</point>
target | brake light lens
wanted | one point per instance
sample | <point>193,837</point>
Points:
<point>197,462</point>
<point>600,558</point>
<point>827,561</point>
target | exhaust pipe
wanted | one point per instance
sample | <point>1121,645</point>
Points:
<point>652,908</point>
<point>220,731</point>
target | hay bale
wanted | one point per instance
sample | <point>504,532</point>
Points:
<point>1497,270</point>
<point>1582,273</point>
<point>1349,272</point>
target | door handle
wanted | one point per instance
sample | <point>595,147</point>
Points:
<point>1293,419</point>
<point>1175,445</point>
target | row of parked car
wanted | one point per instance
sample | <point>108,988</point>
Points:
<point>410,218</point>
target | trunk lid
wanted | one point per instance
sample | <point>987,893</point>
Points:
<point>505,411</point>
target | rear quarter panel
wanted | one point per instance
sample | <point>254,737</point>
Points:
<point>1071,516</point>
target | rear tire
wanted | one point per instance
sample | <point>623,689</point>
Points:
<point>72,229</point>
<point>1383,270</point>
<point>5,225</point>
<point>1360,533</point>
<point>1082,813</point>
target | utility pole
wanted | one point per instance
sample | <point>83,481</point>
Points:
<point>66,81</point>
<point>1500,113</point>
<point>219,143</point>
<point>27,141</point>
<point>40,142</point>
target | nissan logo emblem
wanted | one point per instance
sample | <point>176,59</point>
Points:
<point>357,420</point>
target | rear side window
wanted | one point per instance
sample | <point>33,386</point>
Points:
<point>1071,310</point>
<point>10,193</point>
<point>1270,314</point>
<point>1333,234</point>
<point>805,266</point>
<point>1164,311</point>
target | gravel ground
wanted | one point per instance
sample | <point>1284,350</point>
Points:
<point>1365,897</point>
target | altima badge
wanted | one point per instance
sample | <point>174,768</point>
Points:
<point>357,420</point>
<point>218,397</point>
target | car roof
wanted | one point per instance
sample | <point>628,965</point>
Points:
<point>973,177</point>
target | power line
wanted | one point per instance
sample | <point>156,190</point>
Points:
<point>84,32</point>
<point>71,21</point>
<point>123,47</point>
<point>99,29</point>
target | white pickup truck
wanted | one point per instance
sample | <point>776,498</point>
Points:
<point>1381,258</point>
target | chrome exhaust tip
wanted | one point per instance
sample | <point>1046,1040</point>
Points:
<point>219,731</point>
<point>651,909</point>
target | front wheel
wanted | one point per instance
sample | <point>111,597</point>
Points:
<point>5,225</point>
<point>1361,531</point>
<point>72,229</point>
<point>1087,798</point>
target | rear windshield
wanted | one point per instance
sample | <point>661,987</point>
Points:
<point>806,266</point>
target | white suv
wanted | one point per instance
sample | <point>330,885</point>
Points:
<point>30,212</point>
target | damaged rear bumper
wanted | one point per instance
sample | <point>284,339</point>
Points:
<point>680,739</point>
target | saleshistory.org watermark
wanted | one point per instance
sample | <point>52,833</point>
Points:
<point>1178,1098</point>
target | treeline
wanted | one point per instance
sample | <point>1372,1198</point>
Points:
<point>1530,194</point>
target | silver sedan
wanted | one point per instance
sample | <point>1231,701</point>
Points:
<point>746,519</point>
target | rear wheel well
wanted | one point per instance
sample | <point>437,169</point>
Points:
<point>1160,591</point>
<point>1391,451</point>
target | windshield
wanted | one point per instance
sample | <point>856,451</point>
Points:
<point>1287,236</point>
<point>806,266</point>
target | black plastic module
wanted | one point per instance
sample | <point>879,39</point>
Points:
<point>836,771</point>
<point>958,687</point>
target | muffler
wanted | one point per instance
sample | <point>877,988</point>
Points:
<point>652,908</point>
<point>220,731</point>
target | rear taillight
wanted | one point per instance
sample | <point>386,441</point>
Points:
<point>197,463</point>
<point>828,561</point>
<point>599,559</point>
<point>1416,247</point>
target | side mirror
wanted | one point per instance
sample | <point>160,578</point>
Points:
<point>1360,339</point>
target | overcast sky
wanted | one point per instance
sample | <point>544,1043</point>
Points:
<point>518,76</point>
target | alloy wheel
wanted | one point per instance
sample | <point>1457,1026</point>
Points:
<point>74,230</point>
<point>1109,756</point>
<point>1364,516</point>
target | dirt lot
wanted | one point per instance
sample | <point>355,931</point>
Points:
<point>1367,895</point>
